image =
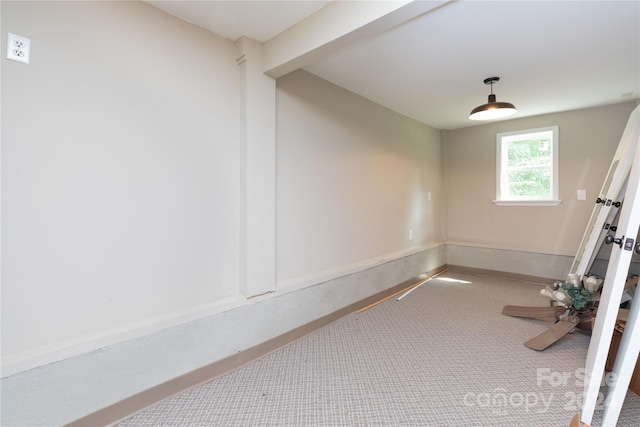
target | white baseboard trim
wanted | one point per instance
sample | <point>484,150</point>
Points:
<point>509,260</point>
<point>16,363</point>
<point>20,362</point>
<point>499,247</point>
<point>298,283</point>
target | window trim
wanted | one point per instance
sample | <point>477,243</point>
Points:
<point>553,200</point>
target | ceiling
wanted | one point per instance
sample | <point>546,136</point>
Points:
<point>550,56</point>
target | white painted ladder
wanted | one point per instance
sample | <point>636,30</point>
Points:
<point>624,244</point>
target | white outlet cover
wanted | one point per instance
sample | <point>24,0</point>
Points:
<point>18,48</point>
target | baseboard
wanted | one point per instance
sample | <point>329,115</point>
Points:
<point>502,274</point>
<point>15,364</point>
<point>41,356</point>
<point>324,276</point>
<point>505,260</point>
<point>132,405</point>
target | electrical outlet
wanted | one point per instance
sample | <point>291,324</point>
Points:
<point>18,48</point>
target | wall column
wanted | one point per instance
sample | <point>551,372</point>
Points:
<point>257,172</point>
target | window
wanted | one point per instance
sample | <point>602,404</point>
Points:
<point>527,167</point>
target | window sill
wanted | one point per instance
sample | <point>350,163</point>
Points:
<point>527,202</point>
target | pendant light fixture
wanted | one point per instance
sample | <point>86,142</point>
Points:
<point>492,109</point>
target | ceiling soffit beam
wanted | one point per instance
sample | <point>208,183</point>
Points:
<point>338,25</point>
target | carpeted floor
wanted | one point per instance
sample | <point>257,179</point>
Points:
<point>442,356</point>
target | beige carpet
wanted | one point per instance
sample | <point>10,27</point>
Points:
<point>442,356</point>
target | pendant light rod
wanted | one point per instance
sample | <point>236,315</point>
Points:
<point>490,81</point>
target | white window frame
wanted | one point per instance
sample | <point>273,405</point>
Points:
<point>501,143</point>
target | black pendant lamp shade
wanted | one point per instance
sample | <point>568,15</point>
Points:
<point>492,109</point>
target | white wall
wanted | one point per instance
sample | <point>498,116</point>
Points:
<point>121,169</point>
<point>588,139</point>
<point>119,172</point>
<point>353,179</point>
